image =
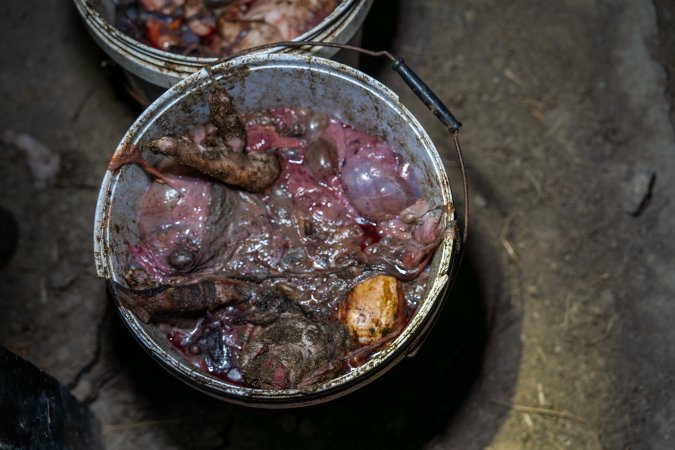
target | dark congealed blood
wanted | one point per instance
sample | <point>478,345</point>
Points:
<point>370,235</point>
<point>176,339</point>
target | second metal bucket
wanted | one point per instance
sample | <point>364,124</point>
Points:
<point>164,69</point>
<point>258,82</point>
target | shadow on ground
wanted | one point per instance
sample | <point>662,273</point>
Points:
<point>413,403</point>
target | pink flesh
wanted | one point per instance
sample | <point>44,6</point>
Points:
<point>290,18</point>
<point>259,232</point>
<point>374,182</point>
<point>258,237</point>
<point>171,218</point>
<point>327,200</point>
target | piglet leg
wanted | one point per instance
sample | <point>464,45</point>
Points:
<point>227,160</point>
<point>170,301</point>
<point>252,172</point>
<point>224,116</point>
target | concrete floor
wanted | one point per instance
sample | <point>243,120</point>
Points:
<point>559,331</point>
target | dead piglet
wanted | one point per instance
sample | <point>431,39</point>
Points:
<point>214,343</point>
<point>174,301</point>
<point>292,348</point>
<point>227,160</point>
<point>253,172</point>
<point>180,225</point>
<point>214,229</point>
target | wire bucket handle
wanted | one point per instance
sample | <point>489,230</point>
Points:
<point>416,84</point>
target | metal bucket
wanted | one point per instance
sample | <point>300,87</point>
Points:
<point>165,69</point>
<point>256,82</point>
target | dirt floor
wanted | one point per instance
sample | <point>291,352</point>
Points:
<point>558,333</point>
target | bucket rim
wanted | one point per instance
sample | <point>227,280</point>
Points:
<point>383,360</point>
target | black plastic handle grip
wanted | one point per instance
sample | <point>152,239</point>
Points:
<point>425,94</point>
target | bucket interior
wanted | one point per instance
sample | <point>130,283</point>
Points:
<point>258,83</point>
<point>107,10</point>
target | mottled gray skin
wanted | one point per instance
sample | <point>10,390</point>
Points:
<point>293,348</point>
<point>225,158</point>
<point>171,301</point>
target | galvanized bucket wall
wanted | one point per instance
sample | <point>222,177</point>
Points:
<point>259,82</point>
<point>165,69</point>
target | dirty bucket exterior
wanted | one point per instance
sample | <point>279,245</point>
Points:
<point>165,69</point>
<point>258,82</point>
